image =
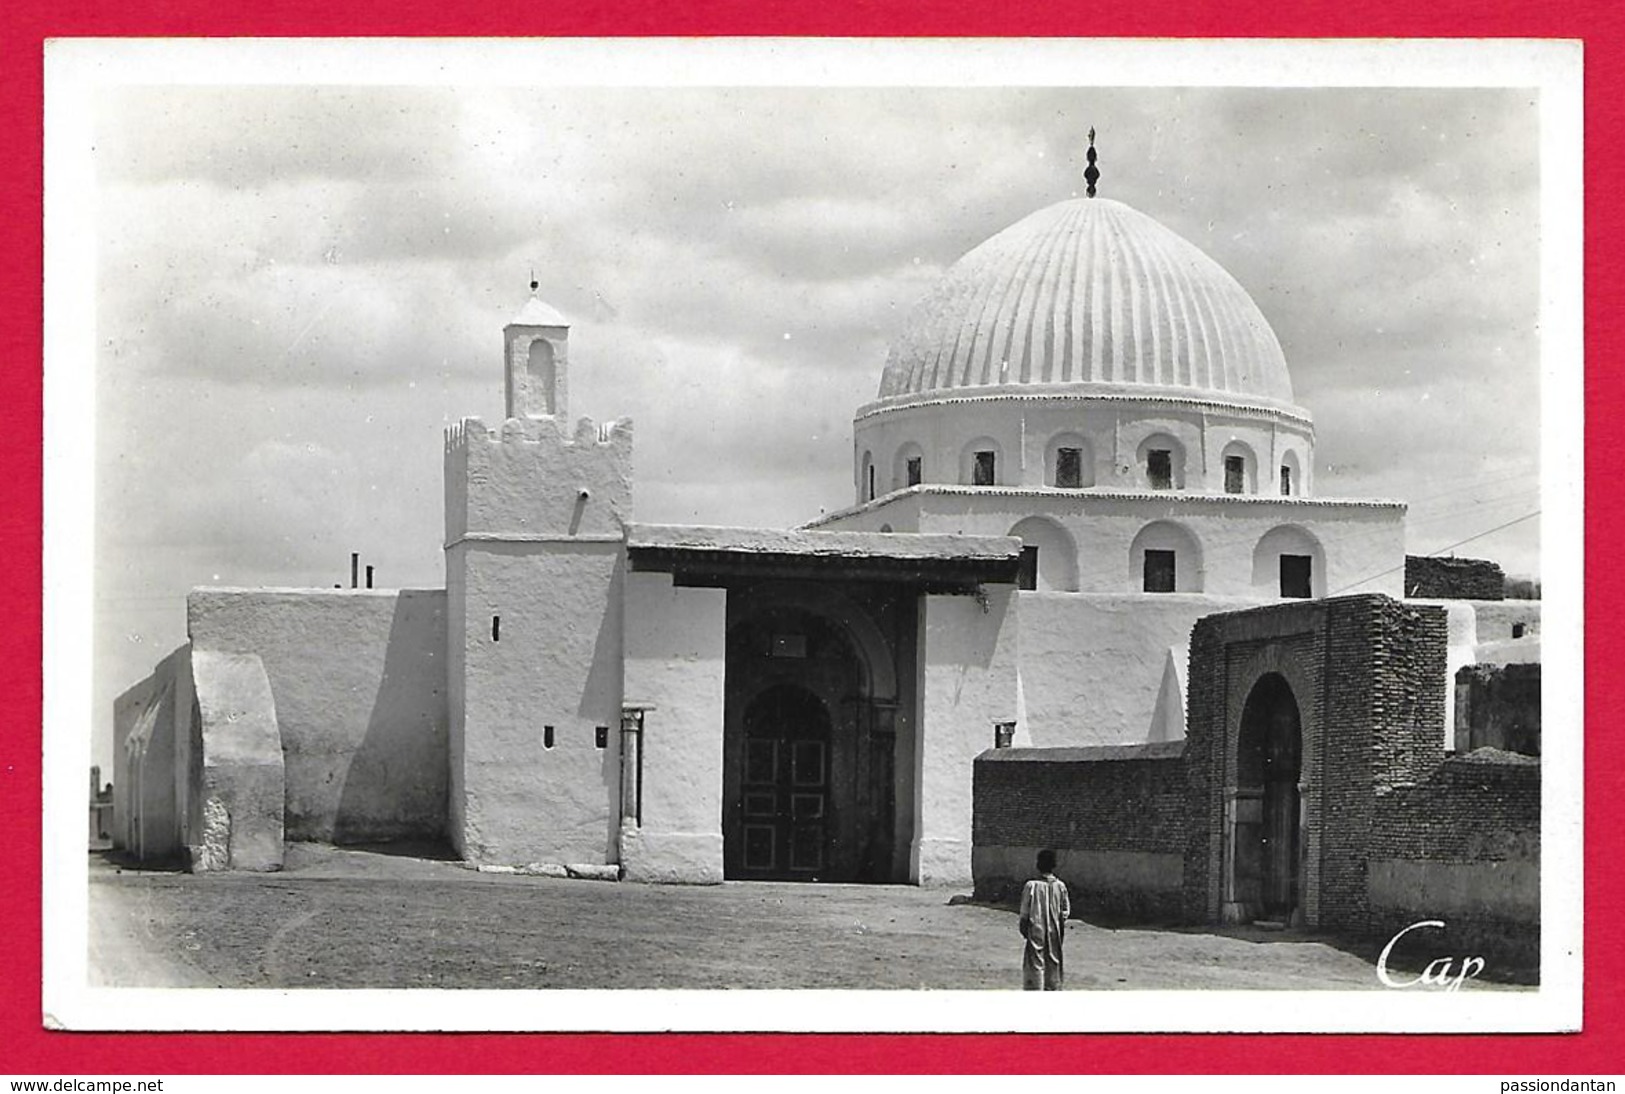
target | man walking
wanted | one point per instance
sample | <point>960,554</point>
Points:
<point>1045,907</point>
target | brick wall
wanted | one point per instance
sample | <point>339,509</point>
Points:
<point>1367,676</point>
<point>1453,579</point>
<point>1114,814</point>
<point>1463,847</point>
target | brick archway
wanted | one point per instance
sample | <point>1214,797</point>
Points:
<point>1290,658</point>
<point>1230,656</point>
<point>1367,674</point>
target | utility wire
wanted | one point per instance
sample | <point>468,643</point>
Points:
<point>1441,550</point>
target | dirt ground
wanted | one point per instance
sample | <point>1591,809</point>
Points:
<point>357,919</point>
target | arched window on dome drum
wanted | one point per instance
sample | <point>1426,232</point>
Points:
<point>1069,467</point>
<point>1049,556</point>
<point>1240,469</point>
<point>1291,475</point>
<point>1160,567</point>
<point>1162,462</point>
<point>1166,557</point>
<point>985,471</point>
<point>1289,561</point>
<point>1068,462</point>
<point>908,466</point>
<point>1235,474</point>
<point>866,478</point>
<point>979,463</point>
<point>1159,469</point>
<point>1027,576</point>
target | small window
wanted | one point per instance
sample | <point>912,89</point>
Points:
<point>1235,474</point>
<point>871,482</point>
<point>914,471</point>
<point>600,736</point>
<point>1159,468</point>
<point>1286,480</point>
<point>983,473</point>
<point>1027,576</point>
<point>547,736</point>
<point>1069,468</point>
<point>1517,630</point>
<point>1296,576</point>
<point>496,628</point>
<point>1159,571</point>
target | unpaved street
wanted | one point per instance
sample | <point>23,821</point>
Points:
<point>350,919</point>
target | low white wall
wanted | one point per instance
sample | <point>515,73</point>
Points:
<point>1496,618</point>
<point>152,732</point>
<point>968,651</point>
<point>146,812</point>
<point>676,654</point>
<point>359,679</point>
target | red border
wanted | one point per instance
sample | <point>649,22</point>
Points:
<point>28,1048</point>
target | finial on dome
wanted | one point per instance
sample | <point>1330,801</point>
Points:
<point>533,283</point>
<point>1091,174</point>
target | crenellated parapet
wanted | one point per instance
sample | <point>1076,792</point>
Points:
<point>529,479</point>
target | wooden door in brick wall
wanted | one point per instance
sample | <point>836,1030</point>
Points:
<point>1266,841</point>
<point>1281,836</point>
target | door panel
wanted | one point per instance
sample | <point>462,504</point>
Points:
<point>784,789</point>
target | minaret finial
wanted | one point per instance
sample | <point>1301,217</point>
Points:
<point>1091,174</point>
<point>533,284</point>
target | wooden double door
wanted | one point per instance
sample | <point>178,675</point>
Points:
<point>784,792</point>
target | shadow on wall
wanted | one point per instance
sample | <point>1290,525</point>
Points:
<point>601,701</point>
<point>395,783</point>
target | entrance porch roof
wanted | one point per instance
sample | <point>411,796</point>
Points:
<point>701,554</point>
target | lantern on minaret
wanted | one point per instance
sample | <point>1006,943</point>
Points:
<point>537,354</point>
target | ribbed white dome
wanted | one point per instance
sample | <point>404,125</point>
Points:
<point>1088,291</point>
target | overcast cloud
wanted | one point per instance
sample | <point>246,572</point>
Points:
<point>299,287</point>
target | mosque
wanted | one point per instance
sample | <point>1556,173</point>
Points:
<point>1084,441</point>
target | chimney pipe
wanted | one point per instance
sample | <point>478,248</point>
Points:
<point>355,565</point>
<point>369,577</point>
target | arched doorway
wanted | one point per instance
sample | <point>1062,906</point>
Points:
<point>810,663</point>
<point>1267,839</point>
<point>784,786</point>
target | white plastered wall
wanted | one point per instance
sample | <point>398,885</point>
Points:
<point>555,660</point>
<point>676,654</point>
<point>1093,667</point>
<point>967,666</point>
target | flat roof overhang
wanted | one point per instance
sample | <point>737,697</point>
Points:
<point>725,556</point>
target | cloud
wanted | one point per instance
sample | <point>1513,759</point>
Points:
<point>241,137</point>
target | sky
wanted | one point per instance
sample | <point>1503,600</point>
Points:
<point>299,287</point>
